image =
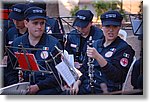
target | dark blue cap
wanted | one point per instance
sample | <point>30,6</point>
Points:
<point>111,18</point>
<point>83,18</point>
<point>35,13</point>
<point>17,12</point>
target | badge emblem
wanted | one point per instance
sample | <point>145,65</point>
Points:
<point>10,42</point>
<point>108,54</point>
<point>45,48</point>
<point>73,45</point>
<point>44,54</point>
<point>113,49</point>
<point>124,62</point>
<point>126,55</point>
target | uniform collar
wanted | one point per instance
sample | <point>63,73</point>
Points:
<point>19,34</point>
<point>116,41</point>
<point>41,42</point>
<point>91,33</point>
<point>113,44</point>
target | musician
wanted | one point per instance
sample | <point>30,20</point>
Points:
<point>137,72</point>
<point>17,16</point>
<point>52,25</point>
<point>77,39</point>
<point>41,83</point>
<point>112,59</point>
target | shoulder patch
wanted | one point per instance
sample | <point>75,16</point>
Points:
<point>124,62</point>
<point>44,54</point>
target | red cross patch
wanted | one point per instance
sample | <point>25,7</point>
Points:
<point>124,62</point>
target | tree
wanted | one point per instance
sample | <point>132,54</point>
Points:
<point>103,6</point>
<point>75,9</point>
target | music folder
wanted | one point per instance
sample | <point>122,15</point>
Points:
<point>27,61</point>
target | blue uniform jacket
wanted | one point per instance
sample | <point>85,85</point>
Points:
<point>12,34</point>
<point>43,80</point>
<point>74,41</point>
<point>119,56</point>
<point>52,27</point>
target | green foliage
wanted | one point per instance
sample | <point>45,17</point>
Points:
<point>75,9</point>
<point>141,8</point>
<point>103,6</point>
<point>84,8</point>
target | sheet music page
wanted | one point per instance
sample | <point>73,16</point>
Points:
<point>65,73</point>
<point>69,59</point>
<point>15,89</point>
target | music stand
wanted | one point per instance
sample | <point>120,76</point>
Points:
<point>137,24</point>
<point>23,61</point>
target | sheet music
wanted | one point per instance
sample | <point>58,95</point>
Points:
<point>2,65</point>
<point>65,73</point>
<point>69,60</point>
<point>15,89</point>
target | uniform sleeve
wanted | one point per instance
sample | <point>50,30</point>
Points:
<point>84,70</point>
<point>6,39</point>
<point>135,73</point>
<point>52,79</point>
<point>67,45</point>
<point>49,82</point>
<point>117,68</point>
<point>56,27</point>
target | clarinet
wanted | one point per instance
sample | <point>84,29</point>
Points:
<point>90,67</point>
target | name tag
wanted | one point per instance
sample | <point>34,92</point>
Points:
<point>10,42</point>
<point>73,45</point>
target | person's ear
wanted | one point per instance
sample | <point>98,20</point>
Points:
<point>26,23</point>
<point>91,23</point>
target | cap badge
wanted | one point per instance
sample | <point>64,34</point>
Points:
<point>37,11</point>
<point>81,17</point>
<point>17,10</point>
<point>111,16</point>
